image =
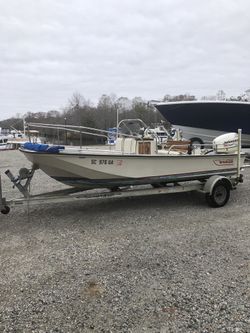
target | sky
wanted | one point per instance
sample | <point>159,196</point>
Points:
<point>51,49</point>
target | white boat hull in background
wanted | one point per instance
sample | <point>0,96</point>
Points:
<point>205,135</point>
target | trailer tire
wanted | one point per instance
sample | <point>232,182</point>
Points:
<point>219,195</point>
<point>5,210</point>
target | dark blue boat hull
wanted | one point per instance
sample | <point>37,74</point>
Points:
<point>219,116</point>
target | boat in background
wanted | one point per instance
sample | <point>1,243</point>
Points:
<point>202,121</point>
<point>158,130</point>
<point>3,138</point>
<point>12,138</point>
<point>3,142</point>
<point>15,139</point>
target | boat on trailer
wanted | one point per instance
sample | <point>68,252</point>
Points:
<point>135,159</point>
<point>202,121</point>
<point>138,159</point>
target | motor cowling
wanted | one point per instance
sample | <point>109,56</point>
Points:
<point>226,143</point>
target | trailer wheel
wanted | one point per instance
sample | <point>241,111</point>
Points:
<point>220,194</point>
<point>5,210</point>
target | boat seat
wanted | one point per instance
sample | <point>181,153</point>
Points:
<point>119,144</point>
<point>177,145</point>
<point>129,146</point>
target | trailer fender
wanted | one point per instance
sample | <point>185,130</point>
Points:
<point>212,181</point>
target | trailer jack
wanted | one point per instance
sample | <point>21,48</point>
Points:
<point>24,175</point>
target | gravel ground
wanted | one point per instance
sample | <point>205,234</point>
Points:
<point>166,263</point>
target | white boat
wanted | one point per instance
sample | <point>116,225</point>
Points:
<point>18,138</point>
<point>135,159</point>
<point>161,133</point>
<point>3,142</point>
<point>158,130</point>
<point>15,139</point>
<point>173,166</point>
<point>3,139</point>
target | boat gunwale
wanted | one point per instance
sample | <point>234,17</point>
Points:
<point>131,155</point>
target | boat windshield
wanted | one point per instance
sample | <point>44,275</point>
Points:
<point>133,127</point>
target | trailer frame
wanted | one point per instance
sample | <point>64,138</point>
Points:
<point>227,183</point>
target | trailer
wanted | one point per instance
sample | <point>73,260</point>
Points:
<point>216,188</point>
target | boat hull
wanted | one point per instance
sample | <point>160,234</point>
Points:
<point>207,119</point>
<point>96,171</point>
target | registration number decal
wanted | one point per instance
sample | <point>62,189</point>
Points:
<point>102,162</point>
<point>106,162</point>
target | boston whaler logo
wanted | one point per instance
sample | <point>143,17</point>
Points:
<point>224,162</point>
<point>231,143</point>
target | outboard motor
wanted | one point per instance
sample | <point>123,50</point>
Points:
<point>226,143</point>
